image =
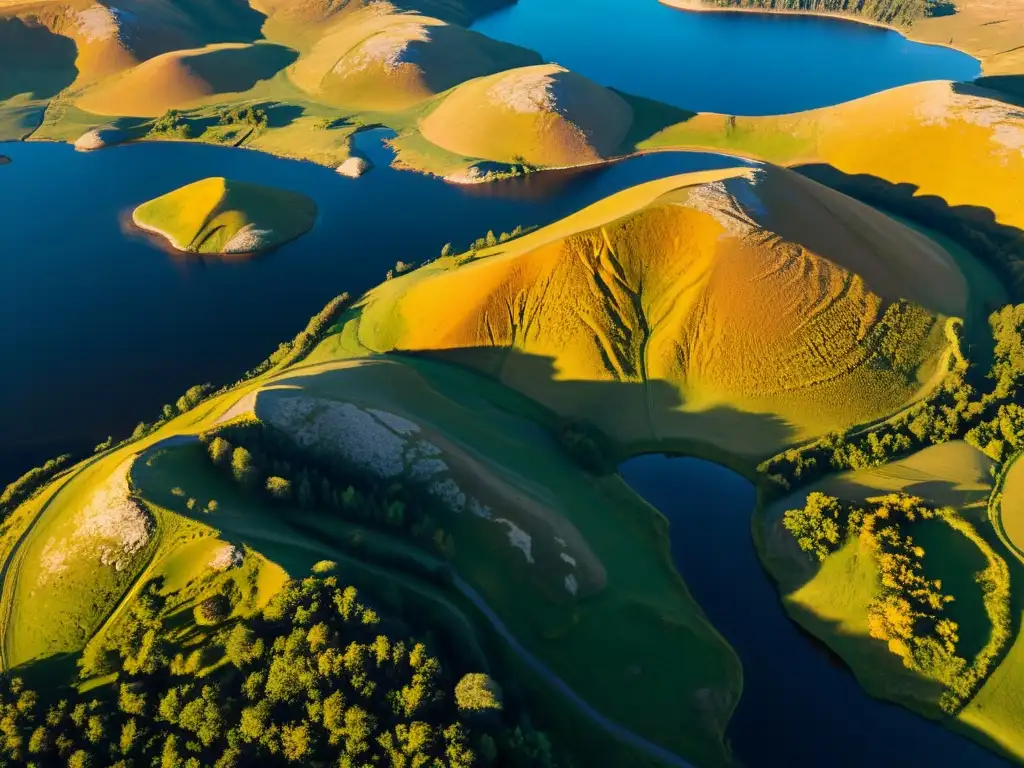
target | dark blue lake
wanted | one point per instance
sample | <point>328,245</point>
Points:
<point>99,326</point>
<point>736,63</point>
<point>800,706</point>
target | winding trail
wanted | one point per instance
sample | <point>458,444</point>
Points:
<point>619,732</point>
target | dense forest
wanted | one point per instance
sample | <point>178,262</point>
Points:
<point>896,12</point>
<point>320,677</point>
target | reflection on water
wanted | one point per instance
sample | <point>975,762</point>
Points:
<point>733,63</point>
<point>801,706</point>
<point>101,329</point>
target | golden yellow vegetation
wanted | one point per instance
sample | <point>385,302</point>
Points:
<point>388,61</point>
<point>749,308</point>
<point>182,79</point>
<point>954,141</point>
<point>542,115</point>
<point>220,216</point>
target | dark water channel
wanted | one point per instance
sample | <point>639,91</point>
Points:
<point>800,705</point>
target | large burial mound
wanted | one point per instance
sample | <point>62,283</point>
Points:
<point>542,115</point>
<point>183,79</point>
<point>221,216</point>
<point>390,61</point>
<point>751,307</point>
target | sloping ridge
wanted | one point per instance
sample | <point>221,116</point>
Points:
<point>544,115</point>
<point>753,295</point>
<point>182,79</point>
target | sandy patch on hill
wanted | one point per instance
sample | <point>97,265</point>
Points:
<point>110,526</point>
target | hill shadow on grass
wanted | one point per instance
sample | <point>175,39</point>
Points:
<point>649,118</point>
<point>976,228</point>
<point>34,60</point>
<point>651,409</point>
<point>1008,89</point>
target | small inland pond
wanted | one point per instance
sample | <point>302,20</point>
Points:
<point>800,705</point>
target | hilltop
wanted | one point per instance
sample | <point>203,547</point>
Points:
<point>700,306</point>
<point>387,61</point>
<point>218,216</point>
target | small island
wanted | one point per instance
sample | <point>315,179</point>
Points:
<point>5,160</point>
<point>220,216</point>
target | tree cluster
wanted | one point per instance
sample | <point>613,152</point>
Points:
<point>319,678</point>
<point>908,612</point>
<point>897,12</point>
<point>171,125</point>
<point>249,115</point>
<point>265,461</point>
<point>29,483</point>
<point>985,410</point>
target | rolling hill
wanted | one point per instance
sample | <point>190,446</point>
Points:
<point>183,79</point>
<point>542,115</point>
<point>389,61</point>
<point>747,309</point>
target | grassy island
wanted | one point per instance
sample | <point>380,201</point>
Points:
<point>219,216</point>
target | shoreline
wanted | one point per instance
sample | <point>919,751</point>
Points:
<point>698,6</point>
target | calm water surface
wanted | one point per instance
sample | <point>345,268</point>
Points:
<point>800,706</point>
<point>737,63</point>
<point>99,327</point>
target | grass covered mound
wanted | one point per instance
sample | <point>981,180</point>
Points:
<point>542,115</point>
<point>180,581</point>
<point>749,308</point>
<point>182,79</point>
<point>390,61</point>
<point>219,216</point>
<point>888,142</point>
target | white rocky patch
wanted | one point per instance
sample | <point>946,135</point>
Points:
<point>341,427</point>
<point>249,239</point>
<point>480,510</point>
<point>99,22</point>
<point>425,468</point>
<point>111,524</point>
<point>396,423</point>
<point>448,492</point>
<point>389,49</point>
<point>526,92</point>
<point>354,167</point>
<point>1002,120</point>
<point>518,538</point>
<point>718,201</point>
<point>422,449</point>
<point>568,558</point>
<point>226,557</point>
<point>571,584</point>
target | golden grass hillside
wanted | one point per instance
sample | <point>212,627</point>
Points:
<point>387,61</point>
<point>749,308</point>
<point>182,79</point>
<point>224,217</point>
<point>954,141</point>
<point>543,115</point>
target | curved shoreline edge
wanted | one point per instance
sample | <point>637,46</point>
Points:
<point>698,6</point>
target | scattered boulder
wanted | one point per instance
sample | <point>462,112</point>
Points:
<point>354,167</point>
<point>98,138</point>
<point>4,160</point>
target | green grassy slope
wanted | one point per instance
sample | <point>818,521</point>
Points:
<point>218,216</point>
